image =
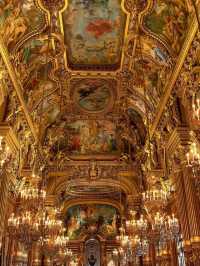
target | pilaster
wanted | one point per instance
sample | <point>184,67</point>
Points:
<point>186,198</point>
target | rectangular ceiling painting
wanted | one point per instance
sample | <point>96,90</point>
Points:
<point>91,137</point>
<point>94,33</point>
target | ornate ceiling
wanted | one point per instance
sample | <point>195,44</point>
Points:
<point>80,78</point>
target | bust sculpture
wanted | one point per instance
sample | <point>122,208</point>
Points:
<point>92,260</point>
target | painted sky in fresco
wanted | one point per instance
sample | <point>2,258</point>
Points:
<point>94,32</point>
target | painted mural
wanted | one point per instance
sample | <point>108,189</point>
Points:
<point>169,19</point>
<point>82,219</point>
<point>18,18</point>
<point>92,95</point>
<point>96,38</point>
<point>31,58</point>
<point>151,48</point>
<point>83,137</point>
<point>154,78</point>
<point>137,126</point>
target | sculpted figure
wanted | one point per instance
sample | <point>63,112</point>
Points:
<point>92,260</point>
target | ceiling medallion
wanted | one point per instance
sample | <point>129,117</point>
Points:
<point>93,95</point>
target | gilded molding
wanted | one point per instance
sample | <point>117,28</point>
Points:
<point>17,85</point>
<point>170,84</point>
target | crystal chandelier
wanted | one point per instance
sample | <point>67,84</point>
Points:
<point>155,198</point>
<point>63,255</point>
<point>158,222</point>
<point>24,226</point>
<point>140,245</point>
<point>31,195</point>
<point>122,237</point>
<point>172,226</point>
<point>164,228</point>
<point>157,227</point>
<point>120,255</point>
<point>52,226</point>
<point>53,240</point>
<point>26,223</point>
<point>49,247</point>
<point>137,226</point>
<point>61,241</point>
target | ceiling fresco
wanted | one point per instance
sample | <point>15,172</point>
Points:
<point>103,39</point>
<point>31,57</point>
<point>93,95</point>
<point>96,38</point>
<point>168,20</point>
<point>94,218</point>
<point>19,19</point>
<point>83,137</point>
<point>153,80</point>
<point>151,53</point>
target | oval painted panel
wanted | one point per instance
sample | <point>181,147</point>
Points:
<point>92,95</point>
<point>94,33</point>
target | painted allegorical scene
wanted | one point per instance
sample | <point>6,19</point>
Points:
<point>17,18</point>
<point>96,38</point>
<point>93,95</point>
<point>169,19</point>
<point>84,137</point>
<point>96,218</point>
